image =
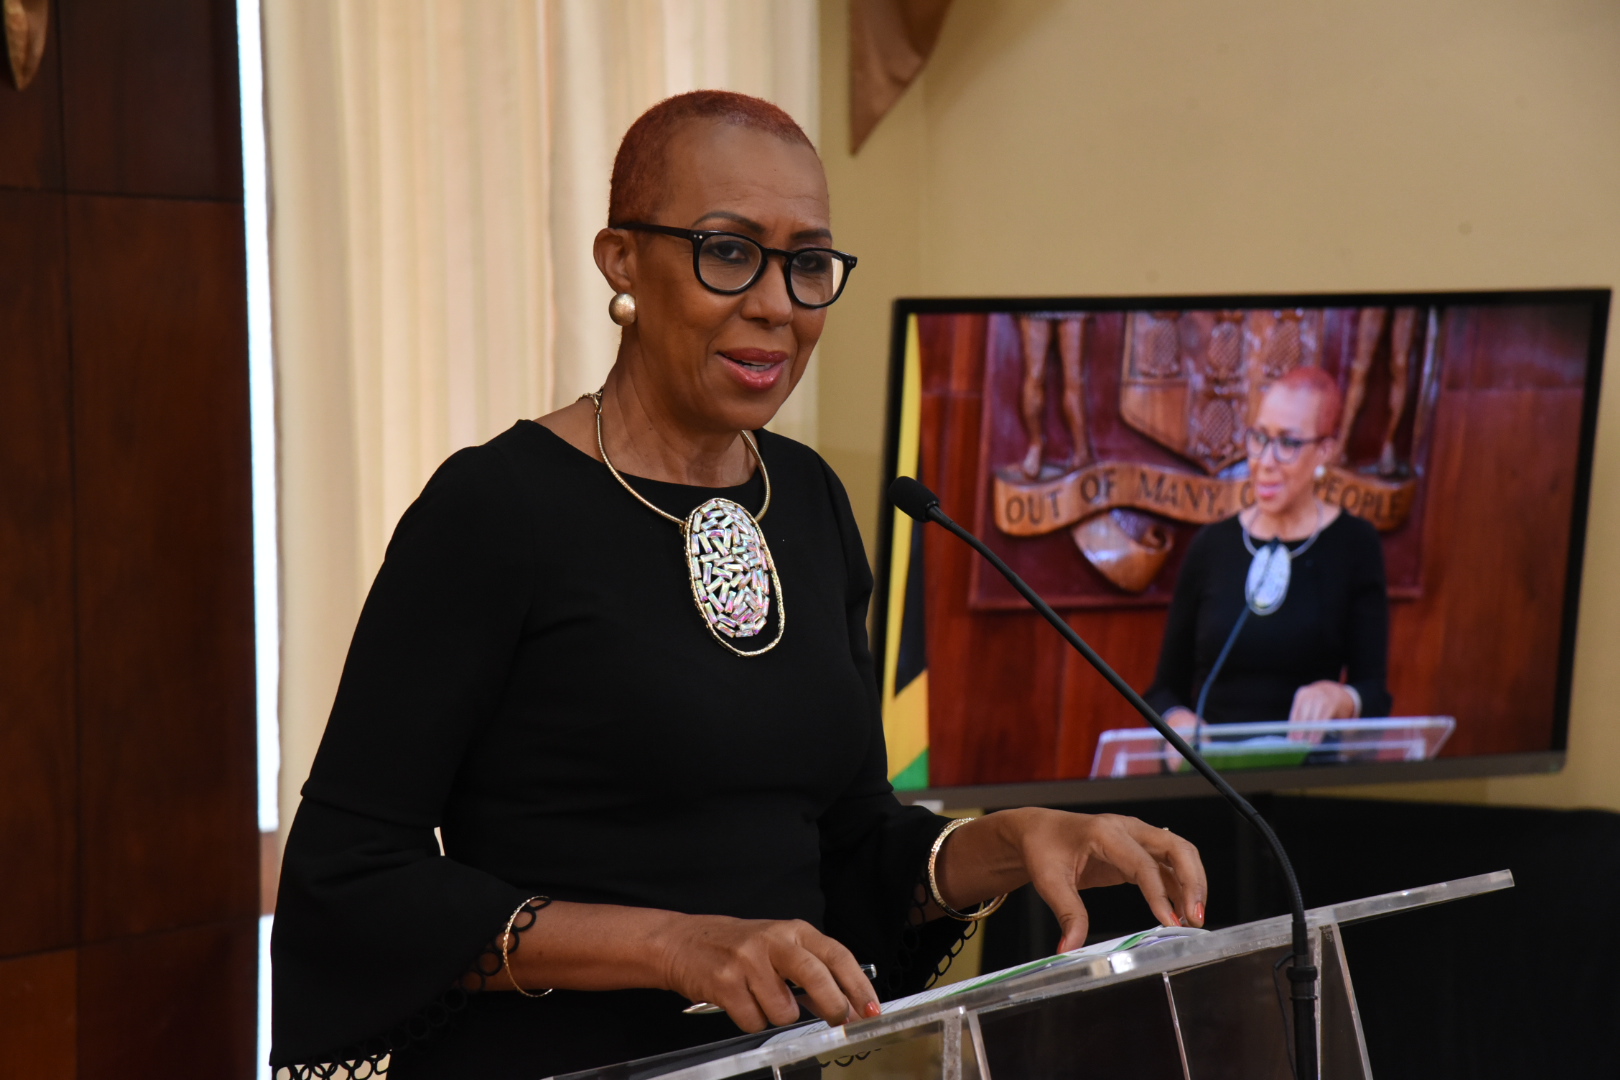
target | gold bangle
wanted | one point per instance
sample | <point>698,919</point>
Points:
<point>506,937</point>
<point>986,909</point>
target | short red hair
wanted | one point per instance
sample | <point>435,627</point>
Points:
<point>638,168</point>
<point>1329,400</point>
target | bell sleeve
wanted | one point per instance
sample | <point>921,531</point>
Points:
<point>874,850</point>
<point>373,926</point>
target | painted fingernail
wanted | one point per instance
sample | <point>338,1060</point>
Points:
<point>871,1008</point>
<point>1198,913</point>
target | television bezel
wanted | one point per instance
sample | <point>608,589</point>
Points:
<point>1085,791</point>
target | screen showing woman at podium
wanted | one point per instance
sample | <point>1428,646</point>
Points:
<point>1280,611</point>
<point>1401,533</point>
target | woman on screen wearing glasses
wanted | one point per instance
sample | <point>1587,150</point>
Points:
<point>1314,642</point>
<point>618,657</point>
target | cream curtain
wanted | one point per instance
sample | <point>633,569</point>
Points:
<point>438,169</point>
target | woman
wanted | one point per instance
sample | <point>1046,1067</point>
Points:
<point>654,787</point>
<point>1323,653</point>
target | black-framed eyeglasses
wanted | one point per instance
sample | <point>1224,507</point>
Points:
<point>730,263</point>
<point>1285,448</point>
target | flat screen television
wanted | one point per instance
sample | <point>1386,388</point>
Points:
<point>1088,440</point>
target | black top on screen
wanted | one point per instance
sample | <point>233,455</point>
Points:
<point>1335,619</point>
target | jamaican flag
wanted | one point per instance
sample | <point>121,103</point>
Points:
<point>905,651</point>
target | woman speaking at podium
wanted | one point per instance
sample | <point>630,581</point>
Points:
<point>1314,644</point>
<point>618,658</point>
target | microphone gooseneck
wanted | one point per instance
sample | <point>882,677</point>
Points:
<point>916,501</point>
<point>1215,670</point>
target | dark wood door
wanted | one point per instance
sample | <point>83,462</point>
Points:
<point>128,846</point>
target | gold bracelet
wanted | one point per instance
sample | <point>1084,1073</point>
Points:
<point>986,909</point>
<point>506,937</point>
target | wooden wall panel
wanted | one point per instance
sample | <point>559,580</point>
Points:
<point>971,738</point>
<point>177,1004</point>
<point>1451,652</point>
<point>164,561</point>
<point>126,678</point>
<point>150,98</point>
<point>39,1016</point>
<point>31,122</point>
<point>1129,640</point>
<point>37,737</point>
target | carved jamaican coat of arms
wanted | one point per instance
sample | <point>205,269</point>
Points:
<point>1189,381</point>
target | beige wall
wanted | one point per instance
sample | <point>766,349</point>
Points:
<point>1123,147</point>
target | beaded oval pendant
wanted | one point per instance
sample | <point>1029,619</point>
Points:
<point>733,575</point>
<point>1267,584</point>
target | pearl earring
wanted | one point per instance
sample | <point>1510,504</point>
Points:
<point>622,308</point>
<point>1321,471</point>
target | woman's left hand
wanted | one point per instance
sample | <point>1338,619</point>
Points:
<point>1062,853</point>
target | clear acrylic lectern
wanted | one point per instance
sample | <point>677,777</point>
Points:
<point>1170,1004</point>
<point>1280,744</point>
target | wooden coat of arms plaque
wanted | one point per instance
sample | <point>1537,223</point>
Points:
<point>1123,430</point>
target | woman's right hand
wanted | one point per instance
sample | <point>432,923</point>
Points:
<point>743,966</point>
<point>1183,720</point>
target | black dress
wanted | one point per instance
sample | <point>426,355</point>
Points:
<point>1335,621</point>
<point>530,674</point>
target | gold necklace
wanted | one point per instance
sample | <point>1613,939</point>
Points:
<point>729,564</point>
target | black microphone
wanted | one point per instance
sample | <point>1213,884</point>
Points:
<point>916,501</point>
<point>1214,671</point>
<point>912,499</point>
